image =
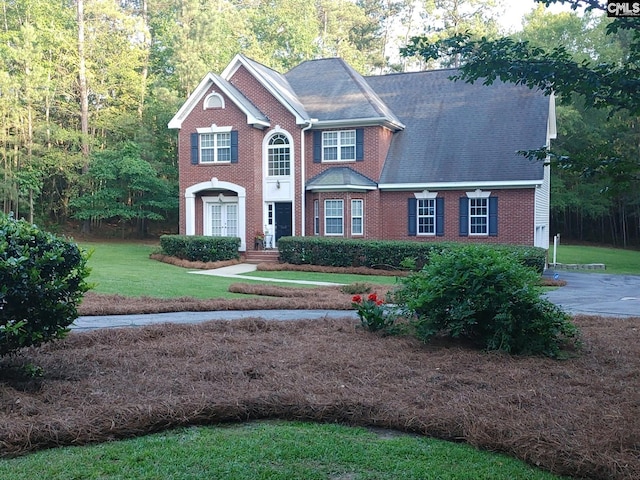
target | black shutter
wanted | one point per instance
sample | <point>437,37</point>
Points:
<point>359,144</point>
<point>464,216</point>
<point>412,216</point>
<point>493,216</point>
<point>194,149</point>
<point>440,217</point>
<point>234,146</point>
<point>317,146</point>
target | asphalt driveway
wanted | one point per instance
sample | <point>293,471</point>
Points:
<point>597,294</point>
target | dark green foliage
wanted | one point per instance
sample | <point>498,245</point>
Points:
<point>200,249</point>
<point>385,254</point>
<point>124,186</point>
<point>479,294</point>
<point>42,280</point>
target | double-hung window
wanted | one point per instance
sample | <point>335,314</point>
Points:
<point>339,145</point>
<point>357,216</point>
<point>215,147</point>
<point>426,216</point>
<point>333,217</point>
<point>478,216</point>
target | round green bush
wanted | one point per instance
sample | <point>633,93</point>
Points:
<point>42,280</point>
<point>479,294</point>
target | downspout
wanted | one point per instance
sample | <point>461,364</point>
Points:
<point>303,191</point>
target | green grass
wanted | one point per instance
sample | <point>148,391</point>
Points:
<point>617,260</point>
<point>271,450</point>
<point>126,269</point>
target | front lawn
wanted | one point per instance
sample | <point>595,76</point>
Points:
<point>575,417</point>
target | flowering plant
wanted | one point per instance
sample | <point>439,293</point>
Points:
<point>260,235</point>
<point>371,312</point>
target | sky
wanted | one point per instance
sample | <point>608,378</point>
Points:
<point>515,9</point>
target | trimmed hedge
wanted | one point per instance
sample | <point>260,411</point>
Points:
<point>386,254</point>
<point>199,248</point>
<point>42,281</point>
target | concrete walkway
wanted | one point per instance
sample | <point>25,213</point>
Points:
<point>238,271</point>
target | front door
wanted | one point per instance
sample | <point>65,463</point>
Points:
<point>283,220</point>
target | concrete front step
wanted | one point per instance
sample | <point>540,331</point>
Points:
<point>261,256</point>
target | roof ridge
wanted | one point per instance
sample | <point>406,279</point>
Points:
<point>368,92</point>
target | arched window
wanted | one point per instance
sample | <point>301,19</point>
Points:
<point>214,100</point>
<point>279,156</point>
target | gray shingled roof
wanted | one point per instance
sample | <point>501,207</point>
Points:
<point>331,90</point>
<point>340,177</point>
<point>460,132</point>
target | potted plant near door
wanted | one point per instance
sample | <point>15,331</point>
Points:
<point>259,241</point>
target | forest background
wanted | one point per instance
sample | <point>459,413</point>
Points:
<point>87,88</point>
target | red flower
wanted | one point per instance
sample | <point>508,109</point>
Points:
<point>373,297</point>
<point>356,299</point>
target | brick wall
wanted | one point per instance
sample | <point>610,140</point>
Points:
<point>386,216</point>
<point>515,217</point>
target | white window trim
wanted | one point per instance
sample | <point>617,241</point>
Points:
<point>478,194</point>
<point>339,145</point>
<point>418,216</point>
<point>214,129</point>
<point>205,104</point>
<point>425,194</point>
<point>341,234</point>
<point>484,234</point>
<point>269,147</point>
<point>219,199</point>
<point>215,146</point>
<point>316,217</point>
<point>361,217</point>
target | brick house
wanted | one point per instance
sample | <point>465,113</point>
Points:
<point>322,150</point>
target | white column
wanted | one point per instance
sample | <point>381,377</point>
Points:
<point>190,213</point>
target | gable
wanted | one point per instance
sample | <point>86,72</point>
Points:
<point>274,82</point>
<point>335,95</point>
<point>254,116</point>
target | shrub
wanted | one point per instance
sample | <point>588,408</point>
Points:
<point>197,248</point>
<point>480,294</point>
<point>385,254</point>
<point>41,284</point>
<point>371,312</point>
<point>356,288</point>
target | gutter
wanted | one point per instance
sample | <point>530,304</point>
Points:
<point>303,181</point>
<point>460,185</point>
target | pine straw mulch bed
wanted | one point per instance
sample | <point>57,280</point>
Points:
<point>577,417</point>
<point>264,297</point>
